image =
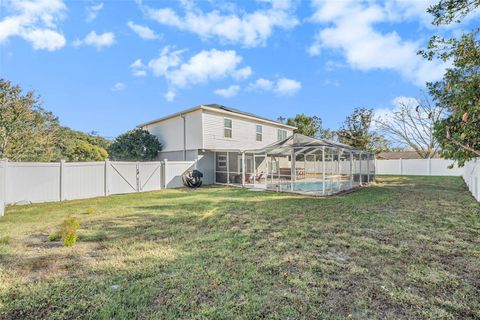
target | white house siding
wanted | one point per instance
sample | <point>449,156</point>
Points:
<point>243,132</point>
<point>170,132</point>
<point>178,155</point>
<point>206,165</point>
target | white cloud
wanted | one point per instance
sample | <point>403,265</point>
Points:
<point>143,31</point>
<point>119,86</point>
<point>287,87</point>
<point>205,66</point>
<point>228,92</point>
<point>167,60</point>
<point>170,95</point>
<point>282,86</point>
<point>243,73</point>
<point>138,68</point>
<point>262,84</point>
<point>93,11</point>
<point>350,27</point>
<point>99,41</point>
<point>45,39</point>
<point>248,29</point>
<point>34,21</point>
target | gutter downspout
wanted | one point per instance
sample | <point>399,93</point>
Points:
<point>184,137</point>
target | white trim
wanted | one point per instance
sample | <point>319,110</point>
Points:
<point>202,107</point>
<point>227,128</point>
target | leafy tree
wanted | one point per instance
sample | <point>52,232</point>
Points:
<point>310,126</point>
<point>84,151</point>
<point>412,124</point>
<point>135,145</point>
<point>79,146</point>
<point>356,131</point>
<point>27,132</point>
<point>458,91</point>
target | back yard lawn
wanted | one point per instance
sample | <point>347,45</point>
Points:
<point>404,247</point>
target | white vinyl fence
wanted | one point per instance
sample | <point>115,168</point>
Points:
<point>31,182</point>
<point>417,167</point>
<point>433,167</point>
<point>471,176</point>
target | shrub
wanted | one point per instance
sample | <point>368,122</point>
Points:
<point>90,211</point>
<point>54,236</point>
<point>69,231</point>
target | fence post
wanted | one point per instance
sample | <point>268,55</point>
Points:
<point>429,164</point>
<point>138,176</point>
<point>165,164</point>
<point>62,180</point>
<point>3,187</point>
<point>401,166</point>
<point>107,175</point>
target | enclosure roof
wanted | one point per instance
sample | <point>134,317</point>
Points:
<point>300,141</point>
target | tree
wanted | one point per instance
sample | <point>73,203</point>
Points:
<point>135,145</point>
<point>79,146</point>
<point>84,151</point>
<point>356,132</point>
<point>458,91</point>
<point>412,124</point>
<point>310,126</point>
<point>27,132</point>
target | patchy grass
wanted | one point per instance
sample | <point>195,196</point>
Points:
<point>405,247</point>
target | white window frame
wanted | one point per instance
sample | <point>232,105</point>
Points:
<point>284,133</point>
<point>221,158</point>
<point>225,128</point>
<point>258,133</point>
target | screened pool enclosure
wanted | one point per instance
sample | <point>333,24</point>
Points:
<point>298,164</point>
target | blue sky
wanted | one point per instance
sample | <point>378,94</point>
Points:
<point>110,65</point>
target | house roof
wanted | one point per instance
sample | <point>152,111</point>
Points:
<point>401,155</point>
<point>300,141</point>
<point>222,109</point>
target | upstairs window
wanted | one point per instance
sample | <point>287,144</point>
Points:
<point>227,128</point>
<point>259,132</point>
<point>281,134</point>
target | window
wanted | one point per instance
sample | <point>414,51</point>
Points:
<point>227,128</point>
<point>274,167</point>
<point>222,161</point>
<point>281,134</point>
<point>259,132</point>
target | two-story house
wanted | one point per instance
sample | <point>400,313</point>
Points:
<point>207,132</point>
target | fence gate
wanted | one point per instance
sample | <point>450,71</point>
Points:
<point>149,176</point>
<point>128,177</point>
<point>122,177</point>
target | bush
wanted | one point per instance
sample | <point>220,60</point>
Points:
<point>69,231</point>
<point>54,236</point>
<point>90,211</point>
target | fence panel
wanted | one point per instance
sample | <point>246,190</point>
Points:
<point>415,167</point>
<point>174,171</point>
<point>83,180</point>
<point>472,177</point>
<point>32,182</point>
<point>418,167</point>
<point>150,174</point>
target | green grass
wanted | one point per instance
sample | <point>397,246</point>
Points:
<point>405,247</point>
